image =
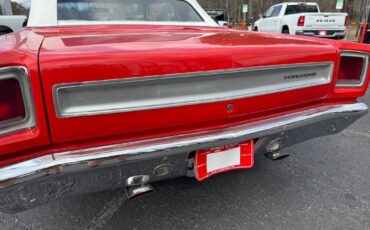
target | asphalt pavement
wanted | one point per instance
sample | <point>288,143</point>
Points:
<point>324,184</point>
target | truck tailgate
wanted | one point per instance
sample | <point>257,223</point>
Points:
<point>325,21</point>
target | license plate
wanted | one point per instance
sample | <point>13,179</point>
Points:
<point>323,33</point>
<point>222,159</point>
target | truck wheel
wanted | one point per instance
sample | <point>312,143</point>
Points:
<point>286,30</point>
<point>255,29</point>
<point>2,32</point>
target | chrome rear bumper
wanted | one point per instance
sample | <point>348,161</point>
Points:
<point>37,181</point>
<point>339,34</point>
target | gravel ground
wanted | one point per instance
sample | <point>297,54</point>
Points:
<point>325,184</point>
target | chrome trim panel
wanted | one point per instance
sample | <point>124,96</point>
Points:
<point>154,92</point>
<point>364,73</point>
<point>21,75</point>
<point>81,159</point>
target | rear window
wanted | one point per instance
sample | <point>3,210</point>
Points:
<point>127,10</point>
<point>276,11</point>
<point>218,15</point>
<point>302,8</point>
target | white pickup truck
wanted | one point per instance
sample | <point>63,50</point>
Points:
<point>9,22</point>
<point>302,19</point>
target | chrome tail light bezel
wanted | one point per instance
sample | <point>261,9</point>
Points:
<point>364,73</point>
<point>20,74</point>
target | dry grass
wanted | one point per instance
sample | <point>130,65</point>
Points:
<point>352,32</point>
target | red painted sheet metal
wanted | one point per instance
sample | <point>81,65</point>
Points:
<point>78,56</point>
<point>21,49</point>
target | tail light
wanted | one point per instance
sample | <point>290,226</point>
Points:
<point>346,21</point>
<point>301,21</point>
<point>11,101</point>
<point>353,69</point>
<point>16,109</point>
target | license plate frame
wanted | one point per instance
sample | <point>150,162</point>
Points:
<point>222,159</point>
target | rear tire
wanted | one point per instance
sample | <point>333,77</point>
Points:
<point>2,32</point>
<point>286,30</point>
<point>255,29</point>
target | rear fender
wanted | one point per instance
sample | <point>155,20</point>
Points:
<point>20,49</point>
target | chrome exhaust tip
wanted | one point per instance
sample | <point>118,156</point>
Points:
<point>274,145</point>
<point>279,155</point>
<point>138,191</point>
<point>138,186</point>
<point>274,151</point>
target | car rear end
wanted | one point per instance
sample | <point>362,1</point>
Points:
<point>323,25</point>
<point>129,106</point>
<point>306,19</point>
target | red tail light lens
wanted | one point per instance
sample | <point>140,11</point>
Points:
<point>11,101</point>
<point>353,69</point>
<point>16,102</point>
<point>301,21</point>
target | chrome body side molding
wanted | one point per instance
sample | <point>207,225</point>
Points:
<point>155,92</point>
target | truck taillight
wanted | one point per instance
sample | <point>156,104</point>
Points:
<point>16,104</point>
<point>11,101</point>
<point>301,21</point>
<point>353,69</point>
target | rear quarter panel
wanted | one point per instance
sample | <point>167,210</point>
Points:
<point>21,49</point>
<point>290,21</point>
<point>347,92</point>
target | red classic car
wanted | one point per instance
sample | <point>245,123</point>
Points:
<point>98,95</point>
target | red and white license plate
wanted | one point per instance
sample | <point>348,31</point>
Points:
<point>323,33</point>
<point>223,159</point>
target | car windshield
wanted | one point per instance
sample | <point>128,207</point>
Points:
<point>127,10</point>
<point>302,8</point>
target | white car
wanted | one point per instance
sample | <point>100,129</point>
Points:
<point>302,19</point>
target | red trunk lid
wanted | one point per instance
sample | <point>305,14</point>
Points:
<point>81,55</point>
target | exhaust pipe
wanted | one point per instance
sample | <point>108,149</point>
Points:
<point>138,186</point>
<point>138,191</point>
<point>274,151</point>
<point>277,155</point>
